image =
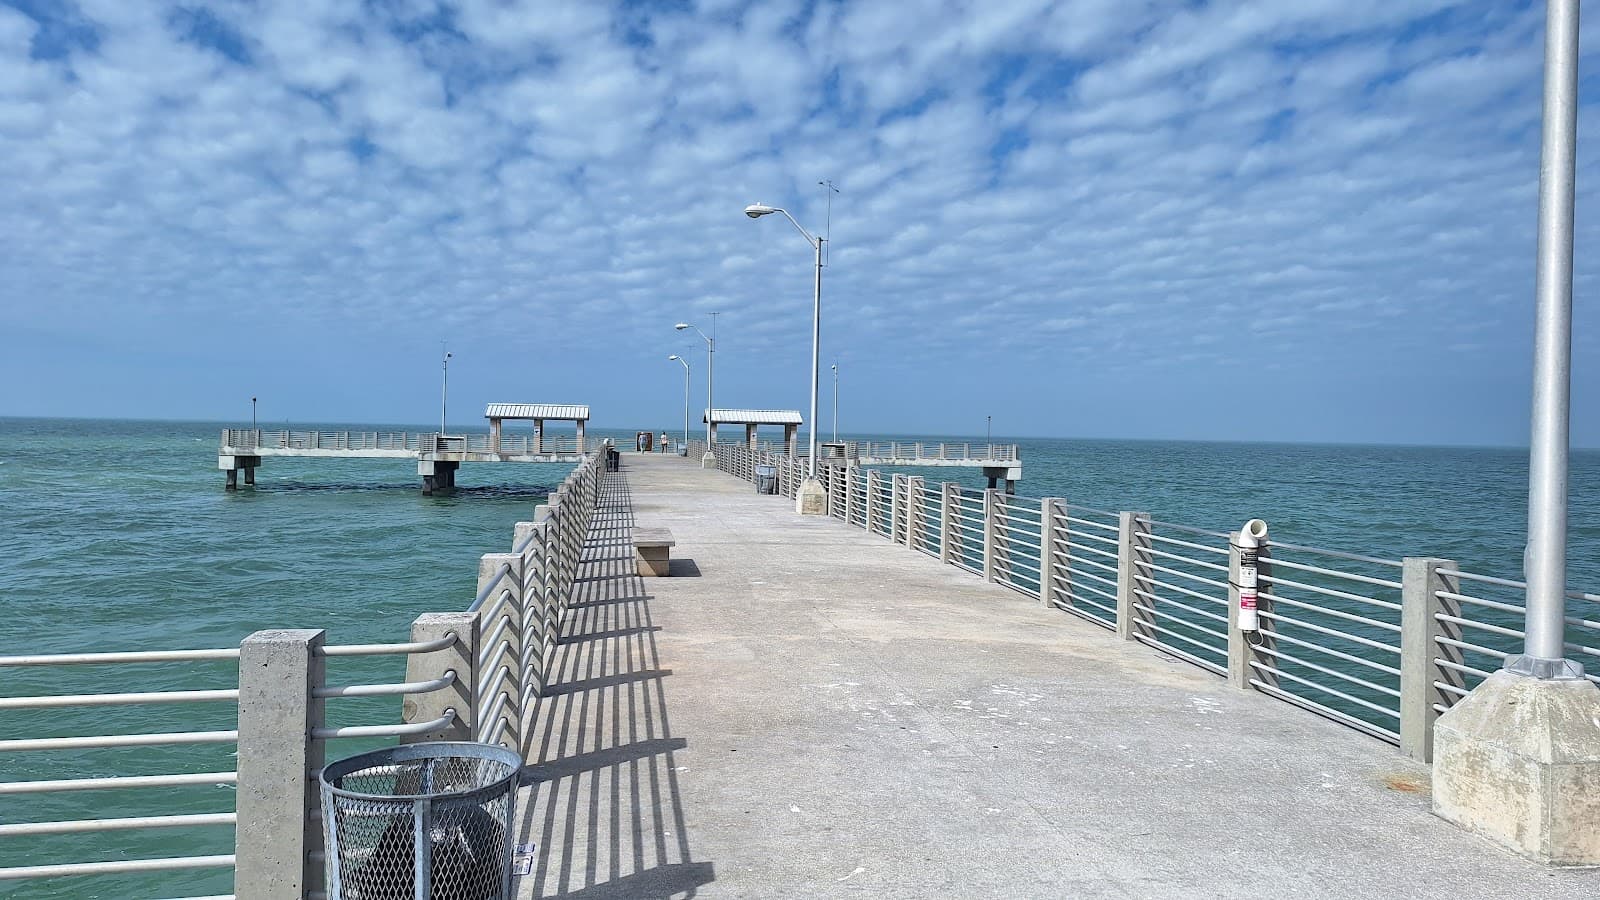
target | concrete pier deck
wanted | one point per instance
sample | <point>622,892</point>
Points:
<point>805,710</point>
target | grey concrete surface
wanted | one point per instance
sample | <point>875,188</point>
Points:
<point>805,710</point>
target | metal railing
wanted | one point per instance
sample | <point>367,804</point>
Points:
<point>890,450</point>
<point>475,674</point>
<point>1381,645</point>
<point>243,439</point>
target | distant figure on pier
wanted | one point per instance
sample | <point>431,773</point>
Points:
<point>664,441</point>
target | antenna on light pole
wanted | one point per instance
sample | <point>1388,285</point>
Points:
<point>827,225</point>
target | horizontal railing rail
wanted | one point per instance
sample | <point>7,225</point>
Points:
<point>237,440</point>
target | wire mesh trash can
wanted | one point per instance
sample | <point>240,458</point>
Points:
<point>766,479</point>
<point>429,821</point>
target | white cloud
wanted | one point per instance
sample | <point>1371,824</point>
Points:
<point>1142,184</point>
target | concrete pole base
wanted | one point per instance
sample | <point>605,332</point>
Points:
<point>1518,761</point>
<point>708,461</point>
<point>811,499</point>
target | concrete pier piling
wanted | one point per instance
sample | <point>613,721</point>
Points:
<point>231,463</point>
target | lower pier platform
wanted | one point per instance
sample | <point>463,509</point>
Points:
<point>438,456</point>
<point>805,710</point>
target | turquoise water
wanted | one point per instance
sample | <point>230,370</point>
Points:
<point>118,535</point>
<point>1463,503</point>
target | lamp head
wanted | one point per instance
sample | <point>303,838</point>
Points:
<point>681,326</point>
<point>672,357</point>
<point>757,210</point>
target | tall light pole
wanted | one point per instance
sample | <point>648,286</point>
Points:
<point>685,401</point>
<point>810,499</point>
<point>988,429</point>
<point>252,414</point>
<point>1543,654</point>
<point>444,389</point>
<point>709,458</point>
<point>1513,760</point>
<point>836,403</point>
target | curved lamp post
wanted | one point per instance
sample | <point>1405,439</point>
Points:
<point>811,499</point>
<point>685,364</point>
<point>709,458</point>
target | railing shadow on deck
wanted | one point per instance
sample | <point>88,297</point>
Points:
<point>604,810</point>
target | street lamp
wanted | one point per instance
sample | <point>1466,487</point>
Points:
<point>836,403</point>
<point>685,401</point>
<point>810,499</point>
<point>252,414</point>
<point>444,390</point>
<point>708,460</point>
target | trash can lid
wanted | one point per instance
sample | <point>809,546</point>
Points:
<point>766,470</point>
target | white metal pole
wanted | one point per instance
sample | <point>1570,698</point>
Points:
<point>836,403</point>
<point>444,393</point>
<point>711,376</point>
<point>816,356</point>
<point>685,407</point>
<point>1543,650</point>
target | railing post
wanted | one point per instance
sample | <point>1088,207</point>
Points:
<point>275,796</point>
<point>1244,662</point>
<point>849,494</point>
<point>897,510</point>
<point>1420,631</point>
<point>1049,531</point>
<point>917,505</point>
<point>991,503</point>
<point>872,496</point>
<point>491,661</point>
<point>948,493</point>
<point>461,656</point>
<point>1133,547</point>
<point>538,628</point>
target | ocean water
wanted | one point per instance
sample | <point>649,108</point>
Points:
<point>119,535</point>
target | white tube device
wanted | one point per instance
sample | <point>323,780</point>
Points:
<point>1249,544</point>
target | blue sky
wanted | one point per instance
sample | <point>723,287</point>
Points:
<point>1117,218</point>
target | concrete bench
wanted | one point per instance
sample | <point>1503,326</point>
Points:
<point>652,549</point>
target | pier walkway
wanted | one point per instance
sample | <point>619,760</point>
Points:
<point>806,710</point>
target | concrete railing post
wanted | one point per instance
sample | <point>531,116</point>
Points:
<point>1049,532</point>
<point>276,832</point>
<point>1133,547</point>
<point>500,670</point>
<point>849,494</point>
<point>991,531</point>
<point>947,520</point>
<point>461,657</point>
<point>1420,630</point>
<point>917,520</point>
<point>899,533</point>
<point>1245,659</point>
<point>872,497</point>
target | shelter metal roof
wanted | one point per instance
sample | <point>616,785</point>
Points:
<point>561,412</point>
<point>755,417</point>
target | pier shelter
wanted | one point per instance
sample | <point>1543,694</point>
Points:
<point>753,419</point>
<point>538,413</point>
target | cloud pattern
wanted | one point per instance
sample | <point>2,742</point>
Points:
<point>1252,220</point>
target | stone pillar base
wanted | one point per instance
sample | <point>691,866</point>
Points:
<point>1518,761</point>
<point>811,499</point>
<point>708,461</point>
